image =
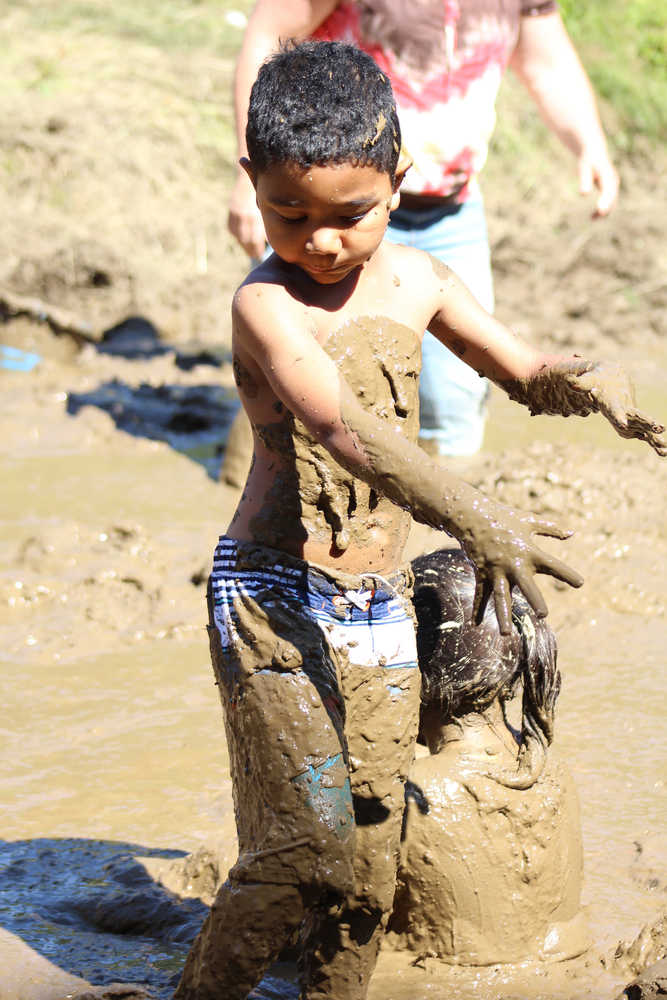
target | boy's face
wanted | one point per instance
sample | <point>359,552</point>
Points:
<point>327,220</point>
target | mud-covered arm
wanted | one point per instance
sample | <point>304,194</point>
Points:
<point>498,540</point>
<point>545,383</point>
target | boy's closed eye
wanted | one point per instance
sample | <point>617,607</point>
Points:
<point>343,220</point>
<point>291,220</point>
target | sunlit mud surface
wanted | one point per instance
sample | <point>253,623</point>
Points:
<point>113,741</point>
<point>115,180</point>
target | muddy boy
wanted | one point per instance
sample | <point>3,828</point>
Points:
<point>311,630</point>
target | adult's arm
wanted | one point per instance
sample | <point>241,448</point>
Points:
<point>547,63</point>
<point>271,22</point>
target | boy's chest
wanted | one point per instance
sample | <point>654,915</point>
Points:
<point>376,311</point>
<point>380,360</point>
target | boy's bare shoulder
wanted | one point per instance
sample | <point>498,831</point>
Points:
<point>263,300</point>
<point>266,279</point>
<point>409,264</point>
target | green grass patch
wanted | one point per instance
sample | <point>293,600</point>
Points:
<point>623,44</point>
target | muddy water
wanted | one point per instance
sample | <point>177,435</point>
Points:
<point>113,743</point>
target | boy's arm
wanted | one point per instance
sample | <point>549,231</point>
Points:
<point>545,383</point>
<point>496,539</point>
<point>577,387</point>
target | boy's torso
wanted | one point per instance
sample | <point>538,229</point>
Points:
<point>297,498</point>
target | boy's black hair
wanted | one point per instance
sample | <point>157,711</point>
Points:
<point>465,667</point>
<point>322,102</point>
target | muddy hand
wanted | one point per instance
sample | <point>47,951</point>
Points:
<point>610,386</point>
<point>504,554</point>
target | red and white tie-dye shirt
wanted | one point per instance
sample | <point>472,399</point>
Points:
<point>447,112</point>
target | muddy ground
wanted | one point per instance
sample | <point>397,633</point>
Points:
<point>113,207</point>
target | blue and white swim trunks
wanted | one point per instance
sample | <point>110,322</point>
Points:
<point>369,616</point>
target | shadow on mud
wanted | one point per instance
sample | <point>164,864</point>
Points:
<point>91,908</point>
<point>193,420</point>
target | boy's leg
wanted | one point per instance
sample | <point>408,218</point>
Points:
<point>291,791</point>
<point>340,947</point>
<point>242,935</point>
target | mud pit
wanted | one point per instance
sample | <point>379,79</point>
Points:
<point>116,748</point>
<point>114,745</point>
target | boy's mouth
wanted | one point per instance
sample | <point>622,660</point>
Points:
<point>323,270</point>
<point>332,271</point>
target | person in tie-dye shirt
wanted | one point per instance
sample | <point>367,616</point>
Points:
<point>445,60</point>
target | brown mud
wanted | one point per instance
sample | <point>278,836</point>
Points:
<point>113,743</point>
<point>491,865</point>
<point>294,807</point>
<point>116,736</point>
<point>337,510</point>
<point>516,895</point>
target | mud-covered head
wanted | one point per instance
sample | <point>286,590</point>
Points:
<point>465,667</point>
<point>320,103</point>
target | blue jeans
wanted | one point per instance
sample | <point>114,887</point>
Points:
<point>452,396</point>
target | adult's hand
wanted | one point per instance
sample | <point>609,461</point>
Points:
<point>547,63</point>
<point>269,23</point>
<point>244,220</point>
<point>597,172</point>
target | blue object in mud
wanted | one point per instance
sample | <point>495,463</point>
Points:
<point>17,360</point>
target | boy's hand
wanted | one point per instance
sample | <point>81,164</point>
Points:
<point>579,387</point>
<point>503,554</point>
<point>612,394</point>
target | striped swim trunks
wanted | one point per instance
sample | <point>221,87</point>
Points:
<point>367,614</point>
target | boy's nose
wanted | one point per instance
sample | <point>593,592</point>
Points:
<point>324,240</point>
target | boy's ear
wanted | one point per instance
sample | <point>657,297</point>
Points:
<point>402,167</point>
<point>249,169</point>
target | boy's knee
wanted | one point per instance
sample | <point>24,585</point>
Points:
<point>316,854</point>
<point>327,854</point>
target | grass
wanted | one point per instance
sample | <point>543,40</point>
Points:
<point>623,44</point>
<point>161,72</point>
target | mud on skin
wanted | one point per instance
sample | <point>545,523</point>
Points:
<point>495,538</point>
<point>492,859</point>
<point>383,359</point>
<point>336,508</point>
<point>490,874</point>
